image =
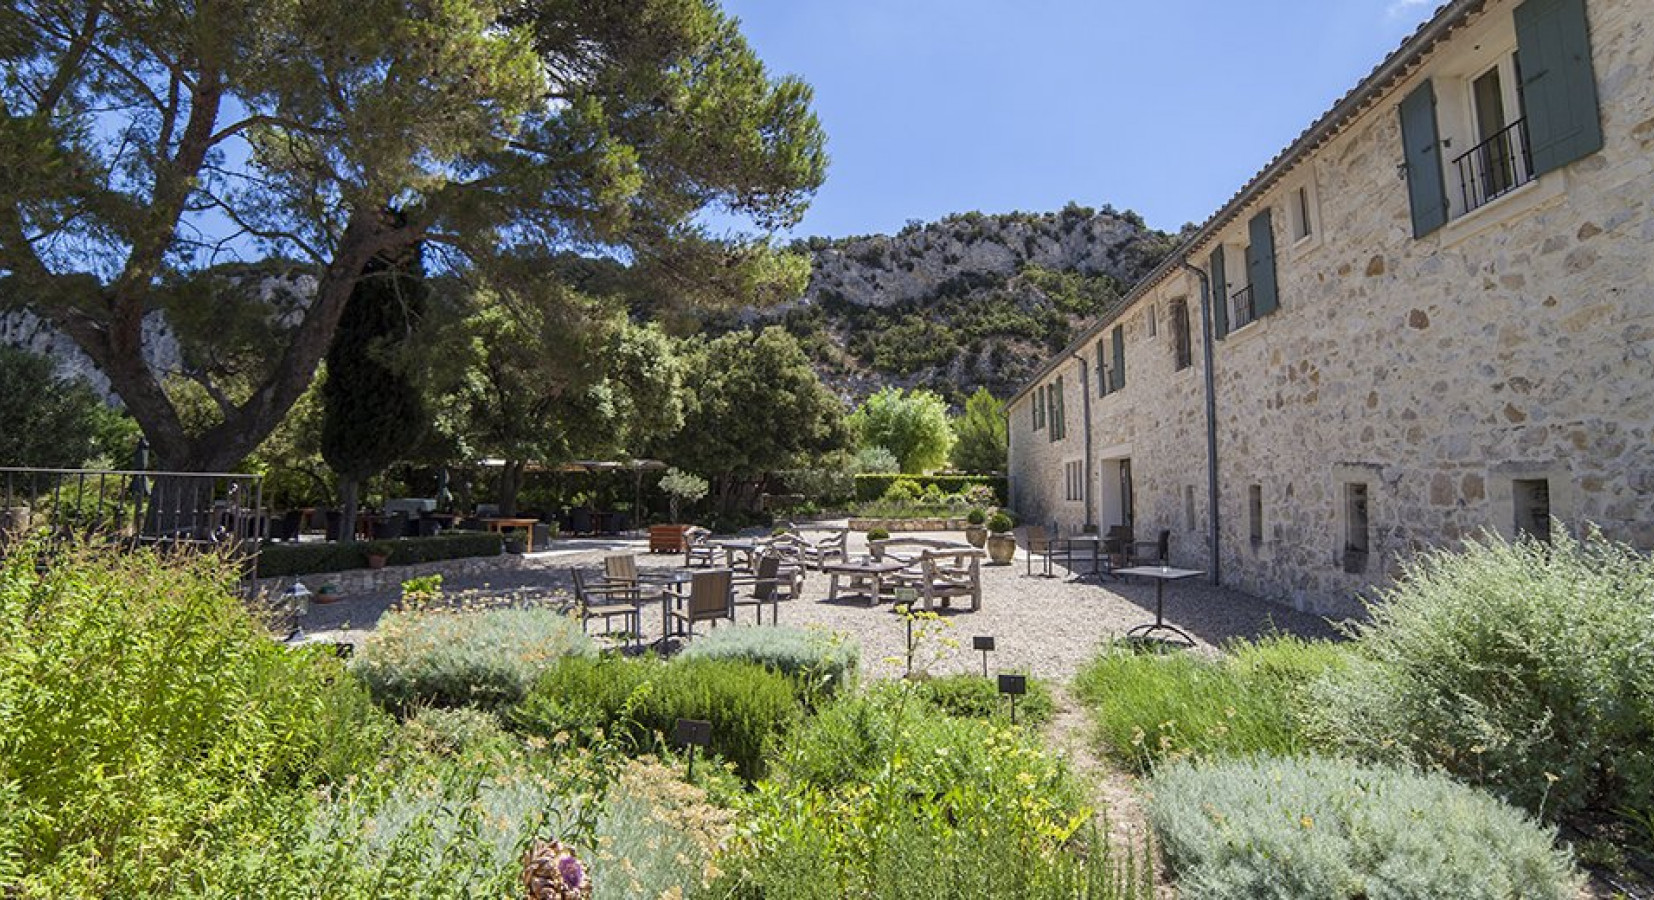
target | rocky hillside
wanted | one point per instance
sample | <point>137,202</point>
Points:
<point>970,300</point>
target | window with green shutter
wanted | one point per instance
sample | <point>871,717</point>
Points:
<point>1559,88</point>
<point>1260,265</point>
<point>1426,192</point>
<point>1220,293</point>
<point>1059,418</point>
<point>1039,407</point>
<point>1117,375</point>
<point>1102,370</point>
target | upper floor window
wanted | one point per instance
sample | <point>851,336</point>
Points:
<point>1177,314</point>
<point>1039,407</point>
<point>1243,294</point>
<point>1054,410</point>
<point>1301,212</point>
<point>1485,124</point>
<point>1111,362</point>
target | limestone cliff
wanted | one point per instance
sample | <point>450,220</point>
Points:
<point>969,300</point>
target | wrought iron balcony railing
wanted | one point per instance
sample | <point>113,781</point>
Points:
<point>1241,308</point>
<point>1496,166</point>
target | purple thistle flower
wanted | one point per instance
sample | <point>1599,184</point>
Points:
<point>571,871</point>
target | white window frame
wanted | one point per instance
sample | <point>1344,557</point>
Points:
<point>1074,480</point>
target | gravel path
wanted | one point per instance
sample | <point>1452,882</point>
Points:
<point>1046,626</point>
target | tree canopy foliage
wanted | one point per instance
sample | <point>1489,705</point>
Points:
<point>49,421</point>
<point>983,444</point>
<point>913,425</point>
<point>147,141</point>
<point>753,406</point>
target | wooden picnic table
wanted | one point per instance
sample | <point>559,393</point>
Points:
<point>500,524</point>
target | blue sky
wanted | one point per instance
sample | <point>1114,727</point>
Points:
<point>1166,107</point>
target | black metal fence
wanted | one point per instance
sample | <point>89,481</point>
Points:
<point>213,511</point>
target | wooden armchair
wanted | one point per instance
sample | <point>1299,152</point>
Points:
<point>949,573</point>
<point>711,597</point>
<point>593,601</point>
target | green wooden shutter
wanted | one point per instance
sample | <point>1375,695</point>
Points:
<point>1559,89</point>
<point>1119,357</point>
<point>1059,430</point>
<point>1220,293</point>
<point>1102,371</point>
<point>1260,263</point>
<point>1426,192</point>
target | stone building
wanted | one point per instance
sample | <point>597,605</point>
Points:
<point>1432,314</point>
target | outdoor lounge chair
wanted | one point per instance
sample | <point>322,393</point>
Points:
<point>711,597</point>
<point>834,547</point>
<point>606,601</point>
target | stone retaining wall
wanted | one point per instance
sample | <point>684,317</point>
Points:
<point>372,581</point>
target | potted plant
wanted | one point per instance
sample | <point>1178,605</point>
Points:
<point>680,487</point>
<point>328,593</point>
<point>1002,545</point>
<point>377,553</point>
<point>516,542</point>
<point>877,534</point>
<point>976,530</point>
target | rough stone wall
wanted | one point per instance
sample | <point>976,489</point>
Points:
<point>1517,342</point>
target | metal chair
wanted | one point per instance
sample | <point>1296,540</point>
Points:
<point>1158,550</point>
<point>1039,544</point>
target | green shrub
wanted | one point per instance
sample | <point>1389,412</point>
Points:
<point>879,796</point>
<point>1000,523</point>
<point>143,712</point>
<point>452,732</point>
<point>639,701</point>
<point>1263,827</point>
<point>975,697</point>
<point>1152,706</point>
<point>873,486</point>
<point>901,492</point>
<point>977,516</point>
<point>878,534</point>
<point>284,559</point>
<point>657,836</point>
<point>442,658</point>
<point>1523,667</point>
<point>817,660</point>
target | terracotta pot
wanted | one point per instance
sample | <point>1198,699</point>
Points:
<point>328,594</point>
<point>1002,548</point>
<point>377,560</point>
<point>976,534</point>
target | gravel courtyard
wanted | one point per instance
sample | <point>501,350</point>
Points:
<point>1046,626</point>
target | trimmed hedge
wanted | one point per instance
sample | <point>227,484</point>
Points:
<point>872,486</point>
<point>281,559</point>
